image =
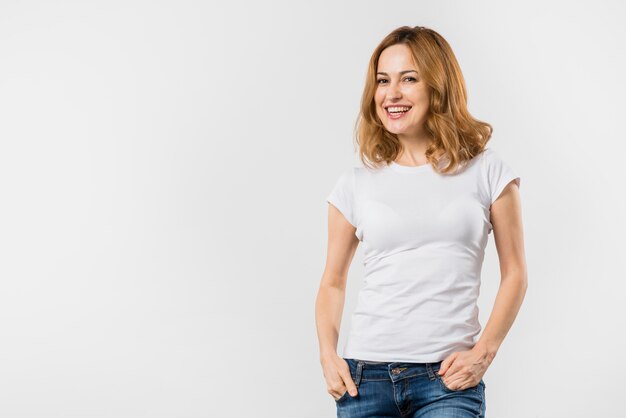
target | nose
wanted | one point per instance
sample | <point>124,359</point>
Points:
<point>393,92</point>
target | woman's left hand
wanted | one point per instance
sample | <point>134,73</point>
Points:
<point>464,369</point>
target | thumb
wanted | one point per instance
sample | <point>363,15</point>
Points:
<point>446,364</point>
<point>352,390</point>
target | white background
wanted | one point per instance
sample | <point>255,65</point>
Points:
<point>163,173</point>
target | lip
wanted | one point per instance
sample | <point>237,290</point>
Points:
<point>399,115</point>
<point>396,105</point>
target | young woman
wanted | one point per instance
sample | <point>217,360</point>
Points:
<point>423,205</point>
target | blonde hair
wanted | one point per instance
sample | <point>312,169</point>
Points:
<point>457,136</point>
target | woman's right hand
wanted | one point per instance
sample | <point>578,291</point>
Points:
<point>337,375</point>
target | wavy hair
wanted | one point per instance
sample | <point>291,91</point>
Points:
<point>457,137</point>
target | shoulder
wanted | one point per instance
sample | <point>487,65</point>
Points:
<point>355,175</point>
<point>491,158</point>
<point>345,180</point>
<point>354,172</point>
<point>497,173</point>
<point>488,154</point>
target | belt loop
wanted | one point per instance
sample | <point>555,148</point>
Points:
<point>429,368</point>
<point>359,372</point>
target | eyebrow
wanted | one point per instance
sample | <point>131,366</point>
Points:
<point>401,72</point>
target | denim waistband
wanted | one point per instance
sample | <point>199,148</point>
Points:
<point>391,370</point>
<point>386,364</point>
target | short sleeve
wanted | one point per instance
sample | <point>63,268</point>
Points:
<point>498,174</point>
<point>342,195</point>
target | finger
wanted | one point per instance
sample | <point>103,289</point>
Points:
<point>457,383</point>
<point>444,365</point>
<point>454,369</point>
<point>447,363</point>
<point>337,393</point>
<point>451,383</point>
<point>452,372</point>
<point>347,380</point>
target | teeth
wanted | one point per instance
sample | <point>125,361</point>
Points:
<point>397,109</point>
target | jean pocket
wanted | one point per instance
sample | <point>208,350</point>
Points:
<point>352,368</point>
<point>343,397</point>
<point>447,389</point>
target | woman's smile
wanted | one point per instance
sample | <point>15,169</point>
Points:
<point>397,112</point>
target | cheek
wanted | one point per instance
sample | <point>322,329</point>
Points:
<point>424,98</point>
<point>378,104</point>
<point>421,104</point>
<point>378,99</point>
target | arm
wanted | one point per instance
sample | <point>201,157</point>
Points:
<point>466,368</point>
<point>342,245</point>
<point>506,218</point>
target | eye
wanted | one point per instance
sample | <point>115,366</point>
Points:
<point>406,78</point>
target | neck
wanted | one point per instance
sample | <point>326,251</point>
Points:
<point>413,149</point>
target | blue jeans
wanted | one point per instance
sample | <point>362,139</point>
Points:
<point>407,390</point>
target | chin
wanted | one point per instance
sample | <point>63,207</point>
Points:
<point>395,131</point>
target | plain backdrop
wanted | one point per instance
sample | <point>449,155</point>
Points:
<point>163,173</point>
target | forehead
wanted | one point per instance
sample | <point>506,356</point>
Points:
<point>396,58</point>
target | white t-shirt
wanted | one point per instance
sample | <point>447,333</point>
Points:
<point>423,235</point>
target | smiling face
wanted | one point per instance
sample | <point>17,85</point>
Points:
<point>399,85</point>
